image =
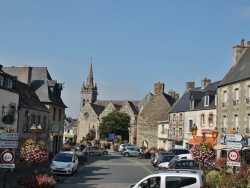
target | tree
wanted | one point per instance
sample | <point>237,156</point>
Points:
<point>115,122</point>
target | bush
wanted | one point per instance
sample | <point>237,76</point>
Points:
<point>212,178</point>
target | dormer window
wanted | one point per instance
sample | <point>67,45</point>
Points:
<point>191,104</point>
<point>206,101</point>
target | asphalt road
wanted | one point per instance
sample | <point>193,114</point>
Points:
<point>109,171</point>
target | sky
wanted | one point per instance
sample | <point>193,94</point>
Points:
<point>132,44</point>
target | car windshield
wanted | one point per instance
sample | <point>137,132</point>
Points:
<point>167,158</point>
<point>173,160</point>
<point>63,157</point>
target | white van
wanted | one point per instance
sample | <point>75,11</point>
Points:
<point>181,156</point>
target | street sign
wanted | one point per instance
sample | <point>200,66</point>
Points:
<point>234,137</point>
<point>8,144</point>
<point>233,155</point>
<point>9,136</point>
<point>234,145</point>
<point>7,165</point>
<point>7,156</point>
<point>245,142</point>
<point>229,163</point>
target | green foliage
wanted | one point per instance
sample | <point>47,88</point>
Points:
<point>115,122</point>
<point>212,178</point>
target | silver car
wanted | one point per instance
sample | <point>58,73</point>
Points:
<point>94,150</point>
<point>130,151</point>
<point>64,162</point>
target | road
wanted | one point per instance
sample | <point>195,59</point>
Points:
<point>109,171</point>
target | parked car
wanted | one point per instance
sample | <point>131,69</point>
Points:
<point>179,151</point>
<point>181,156</point>
<point>64,162</point>
<point>183,164</point>
<point>79,147</point>
<point>158,154</point>
<point>124,145</point>
<point>163,158</point>
<point>130,151</point>
<point>94,150</point>
<point>173,179</point>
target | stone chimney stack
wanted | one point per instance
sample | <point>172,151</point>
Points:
<point>238,50</point>
<point>24,74</point>
<point>190,85</point>
<point>205,82</point>
<point>159,88</point>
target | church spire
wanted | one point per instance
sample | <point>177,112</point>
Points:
<point>90,82</point>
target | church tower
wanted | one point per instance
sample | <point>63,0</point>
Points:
<point>89,91</point>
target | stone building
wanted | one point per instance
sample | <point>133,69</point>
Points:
<point>154,111</point>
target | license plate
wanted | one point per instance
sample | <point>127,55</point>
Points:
<point>59,169</point>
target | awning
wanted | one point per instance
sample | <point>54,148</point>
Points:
<point>69,135</point>
<point>199,139</point>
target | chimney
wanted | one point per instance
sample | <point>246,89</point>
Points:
<point>205,82</point>
<point>171,93</point>
<point>24,74</point>
<point>190,85</point>
<point>159,88</point>
<point>238,50</point>
<point>1,66</point>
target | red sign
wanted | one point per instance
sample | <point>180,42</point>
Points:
<point>233,155</point>
<point>7,156</point>
<point>206,131</point>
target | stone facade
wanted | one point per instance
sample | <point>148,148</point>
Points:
<point>156,110</point>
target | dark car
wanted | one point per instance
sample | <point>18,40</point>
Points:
<point>154,157</point>
<point>163,158</point>
<point>183,164</point>
<point>179,151</point>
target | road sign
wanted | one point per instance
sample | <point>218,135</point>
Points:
<point>7,156</point>
<point>234,137</point>
<point>9,136</point>
<point>233,155</point>
<point>8,144</point>
<point>245,141</point>
<point>234,145</point>
<point>229,163</point>
<point>7,165</point>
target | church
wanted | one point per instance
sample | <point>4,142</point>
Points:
<point>92,110</point>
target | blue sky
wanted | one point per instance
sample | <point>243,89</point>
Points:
<point>133,43</point>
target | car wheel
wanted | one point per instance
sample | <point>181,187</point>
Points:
<point>126,154</point>
<point>139,155</point>
<point>105,153</point>
<point>91,153</point>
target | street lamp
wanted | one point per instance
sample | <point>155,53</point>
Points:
<point>36,129</point>
<point>194,130</point>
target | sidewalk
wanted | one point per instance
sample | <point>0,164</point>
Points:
<point>10,179</point>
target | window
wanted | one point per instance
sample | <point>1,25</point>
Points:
<point>202,119</point>
<point>174,117</point>
<point>180,131</point>
<point>236,96</point>
<point>206,101</point>
<point>162,128</point>
<point>210,119</point>
<point>38,119</point>
<point>33,120</point>
<point>192,104</point>
<point>236,121</point>
<point>54,114</point>
<point>59,117</point>
<point>224,103</point>
<point>173,130</point>
<point>1,80</point>
<point>8,83</point>
<point>190,125</point>
<point>180,117</point>
<point>215,100</point>
<point>25,123</point>
<point>180,181</point>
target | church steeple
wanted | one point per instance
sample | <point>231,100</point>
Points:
<point>90,83</point>
<point>89,91</point>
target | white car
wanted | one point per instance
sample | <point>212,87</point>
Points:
<point>181,156</point>
<point>173,179</point>
<point>64,162</point>
<point>124,145</point>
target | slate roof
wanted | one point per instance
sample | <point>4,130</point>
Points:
<point>27,97</point>
<point>100,105</point>
<point>183,104</point>
<point>40,82</point>
<point>144,101</point>
<point>241,71</point>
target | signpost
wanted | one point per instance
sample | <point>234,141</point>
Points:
<point>234,137</point>
<point>234,145</point>
<point>245,142</point>
<point>8,144</point>
<point>233,157</point>
<point>7,156</point>
<point>9,136</point>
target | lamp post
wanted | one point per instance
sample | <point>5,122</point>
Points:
<point>36,130</point>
